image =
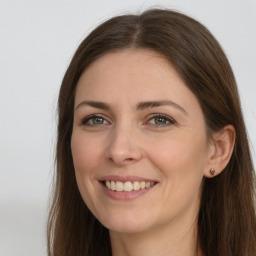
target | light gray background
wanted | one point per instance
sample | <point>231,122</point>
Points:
<point>37,40</point>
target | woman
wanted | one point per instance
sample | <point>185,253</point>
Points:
<point>152,151</point>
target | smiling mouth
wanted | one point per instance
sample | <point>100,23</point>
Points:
<point>128,186</point>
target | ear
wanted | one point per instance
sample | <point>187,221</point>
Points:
<point>221,149</point>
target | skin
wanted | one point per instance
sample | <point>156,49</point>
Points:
<point>126,141</point>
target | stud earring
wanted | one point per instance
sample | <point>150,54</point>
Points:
<point>212,171</point>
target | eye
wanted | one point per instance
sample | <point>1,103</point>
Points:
<point>94,120</point>
<point>161,120</point>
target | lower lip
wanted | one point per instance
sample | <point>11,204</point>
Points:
<point>116,195</point>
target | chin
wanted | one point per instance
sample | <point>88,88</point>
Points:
<point>126,223</point>
<point>127,228</point>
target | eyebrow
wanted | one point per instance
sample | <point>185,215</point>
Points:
<point>140,106</point>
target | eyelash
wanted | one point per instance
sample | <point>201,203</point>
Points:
<point>91,117</point>
<point>162,116</point>
<point>153,116</point>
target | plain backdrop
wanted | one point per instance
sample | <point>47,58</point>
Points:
<point>37,41</point>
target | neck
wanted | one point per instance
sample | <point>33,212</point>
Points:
<point>168,240</point>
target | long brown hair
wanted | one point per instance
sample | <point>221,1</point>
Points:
<point>226,221</point>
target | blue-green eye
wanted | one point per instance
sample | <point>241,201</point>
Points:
<point>161,120</point>
<point>156,119</point>
<point>94,120</point>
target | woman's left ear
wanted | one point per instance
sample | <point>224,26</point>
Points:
<point>221,149</point>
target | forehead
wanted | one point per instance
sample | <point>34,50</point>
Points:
<point>132,76</point>
<point>136,62</point>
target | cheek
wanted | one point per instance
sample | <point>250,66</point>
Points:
<point>182,164</point>
<point>182,158</point>
<point>86,152</point>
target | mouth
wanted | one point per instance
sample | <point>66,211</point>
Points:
<point>127,186</point>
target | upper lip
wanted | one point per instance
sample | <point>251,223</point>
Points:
<point>125,178</point>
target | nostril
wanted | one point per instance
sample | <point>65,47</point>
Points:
<point>122,161</point>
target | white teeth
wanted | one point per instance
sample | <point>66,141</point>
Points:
<point>113,185</point>
<point>136,185</point>
<point>119,186</point>
<point>128,186</point>
<point>108,184</point>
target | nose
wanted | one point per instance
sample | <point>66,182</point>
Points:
<point>123,147</point>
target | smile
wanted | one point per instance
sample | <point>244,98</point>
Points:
<point>127,186</point>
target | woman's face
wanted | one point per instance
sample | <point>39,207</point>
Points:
<point>139,143</point>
